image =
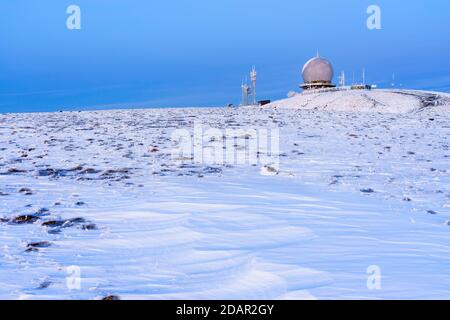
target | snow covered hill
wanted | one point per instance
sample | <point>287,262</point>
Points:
<point>97,197</point>
<point>386,101</point>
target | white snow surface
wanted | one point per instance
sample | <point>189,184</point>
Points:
<point>385,101</point>
<point>354,190</point>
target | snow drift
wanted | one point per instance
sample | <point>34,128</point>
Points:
<point>385,101</point>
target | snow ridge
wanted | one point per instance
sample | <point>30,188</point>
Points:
<point>385,101</point>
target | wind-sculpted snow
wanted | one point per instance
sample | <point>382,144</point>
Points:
<point>99,191</point>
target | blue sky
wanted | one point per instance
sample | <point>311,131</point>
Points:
<point>194,53</point>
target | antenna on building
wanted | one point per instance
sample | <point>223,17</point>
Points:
<point>364,76</point>
<point>253,78</point>
<point>393,79</point>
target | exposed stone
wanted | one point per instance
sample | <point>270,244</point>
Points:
<point>24,219</point>
<point>111,298</point>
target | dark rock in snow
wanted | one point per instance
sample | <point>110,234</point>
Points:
<point>44,285</point>
<point>26,191</point>
<point>54,223</point>
<point>111,298</point>
<point>41,244</point>
<point>55,226</point>
<point>77,220</point>
<point>368,190</point>
<point>89,171</point>
<point>24,219</point>
<point>14,170</point>
<point>89,226</point>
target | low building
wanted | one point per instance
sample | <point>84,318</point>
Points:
<point>361,87</point>
<point>264,102</point>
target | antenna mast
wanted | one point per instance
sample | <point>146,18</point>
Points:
<point>342,79</point>
<point>253,78</point>
<point>245,90</point>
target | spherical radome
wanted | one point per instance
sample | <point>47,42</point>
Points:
<point>317,69</point>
